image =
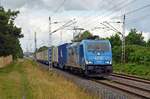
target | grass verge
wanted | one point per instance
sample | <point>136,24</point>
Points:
<point>26,80</point>
<point>133,69</point>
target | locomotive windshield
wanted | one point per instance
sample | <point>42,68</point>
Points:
<point>98,47</point>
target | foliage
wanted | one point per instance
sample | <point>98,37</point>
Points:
<point>148,43</point>
<point>116,52</point>
<point>137,54</point>
<point>140,55</point>
<point>9,34</point>
<point>42,48</point>
<point>135,38</point>
<point>84,35</point>
<point>133,69</point>
<point>115,40</point>
<point>134,53</point>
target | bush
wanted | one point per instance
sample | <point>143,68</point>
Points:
<point>134,53</point>
<point>133,69</point>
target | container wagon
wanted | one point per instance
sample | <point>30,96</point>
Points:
<point>62,55</point>
<point>45,56</point>
<point>55,56</point>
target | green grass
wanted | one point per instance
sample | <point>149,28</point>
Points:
<point>13,82</point>
<point>133,69</point>
<point>27,80</point>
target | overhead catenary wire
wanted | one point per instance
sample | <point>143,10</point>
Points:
<point>65,25</point>
<point>112,13</point>
<point>61,5</point>
<point>138,9</point>
<point>135,10</point>
<point>123,7</point>
<point>103,4</point>
<point>115,7</point>
<point>143,17</point>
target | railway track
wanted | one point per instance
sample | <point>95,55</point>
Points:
<point>138,79</point>
<point>126,86</point>
<point>130,89</point>
<point>133,90</point>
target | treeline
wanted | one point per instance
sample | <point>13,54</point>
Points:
<point>137,50</point>
<point>9,34</point>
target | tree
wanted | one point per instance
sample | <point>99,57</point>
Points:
<point>135,38</point>
<point>115,40</point>
<point>148,43</point>
<point>9,34</point>
<point>85,35</point>
<point>42,48</point>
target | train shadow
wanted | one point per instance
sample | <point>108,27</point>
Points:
<point>81,75</point>
<point>75,73</point>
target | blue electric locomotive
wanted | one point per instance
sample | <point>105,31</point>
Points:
<point>93,57</point>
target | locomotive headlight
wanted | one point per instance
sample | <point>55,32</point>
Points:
<point>88,62</point>
<point>108,62</point>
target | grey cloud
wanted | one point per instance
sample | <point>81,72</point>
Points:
<point>13,4</point>
<point>17,4</point>
<point>74,5</point>
<point>68,5</point>
<point>36,8</point>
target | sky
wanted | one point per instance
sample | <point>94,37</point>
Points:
<point>88,14</point>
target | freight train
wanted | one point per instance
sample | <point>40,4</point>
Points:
<point>91,57</point>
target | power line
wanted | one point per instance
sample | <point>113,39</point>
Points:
<point>109,14</point>
<point>62,4</point>
<point>35,42</point>
<point>139,17</point>
<point>135,10</point>
<point>116,5</point>
<point>127,4</point>
<point>69,23</point>
<point>112,13</point>
<point>124,6</point>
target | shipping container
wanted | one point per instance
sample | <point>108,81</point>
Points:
<point>62,55</point>
<point>43,57</point>
<point>73,55</point>
<point>55,56</point>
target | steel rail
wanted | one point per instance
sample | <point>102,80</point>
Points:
<point>138,79</point>
<point>132,92</point>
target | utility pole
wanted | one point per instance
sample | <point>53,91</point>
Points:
<point>123,40</point>
<point>50,33</point>
<point>76,31</point>
<point>50,44</point>
<point>122,35</point>
<point>61,38</point>
<point>35,42</point>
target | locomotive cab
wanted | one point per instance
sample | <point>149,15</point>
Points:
<point>96,57</point>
